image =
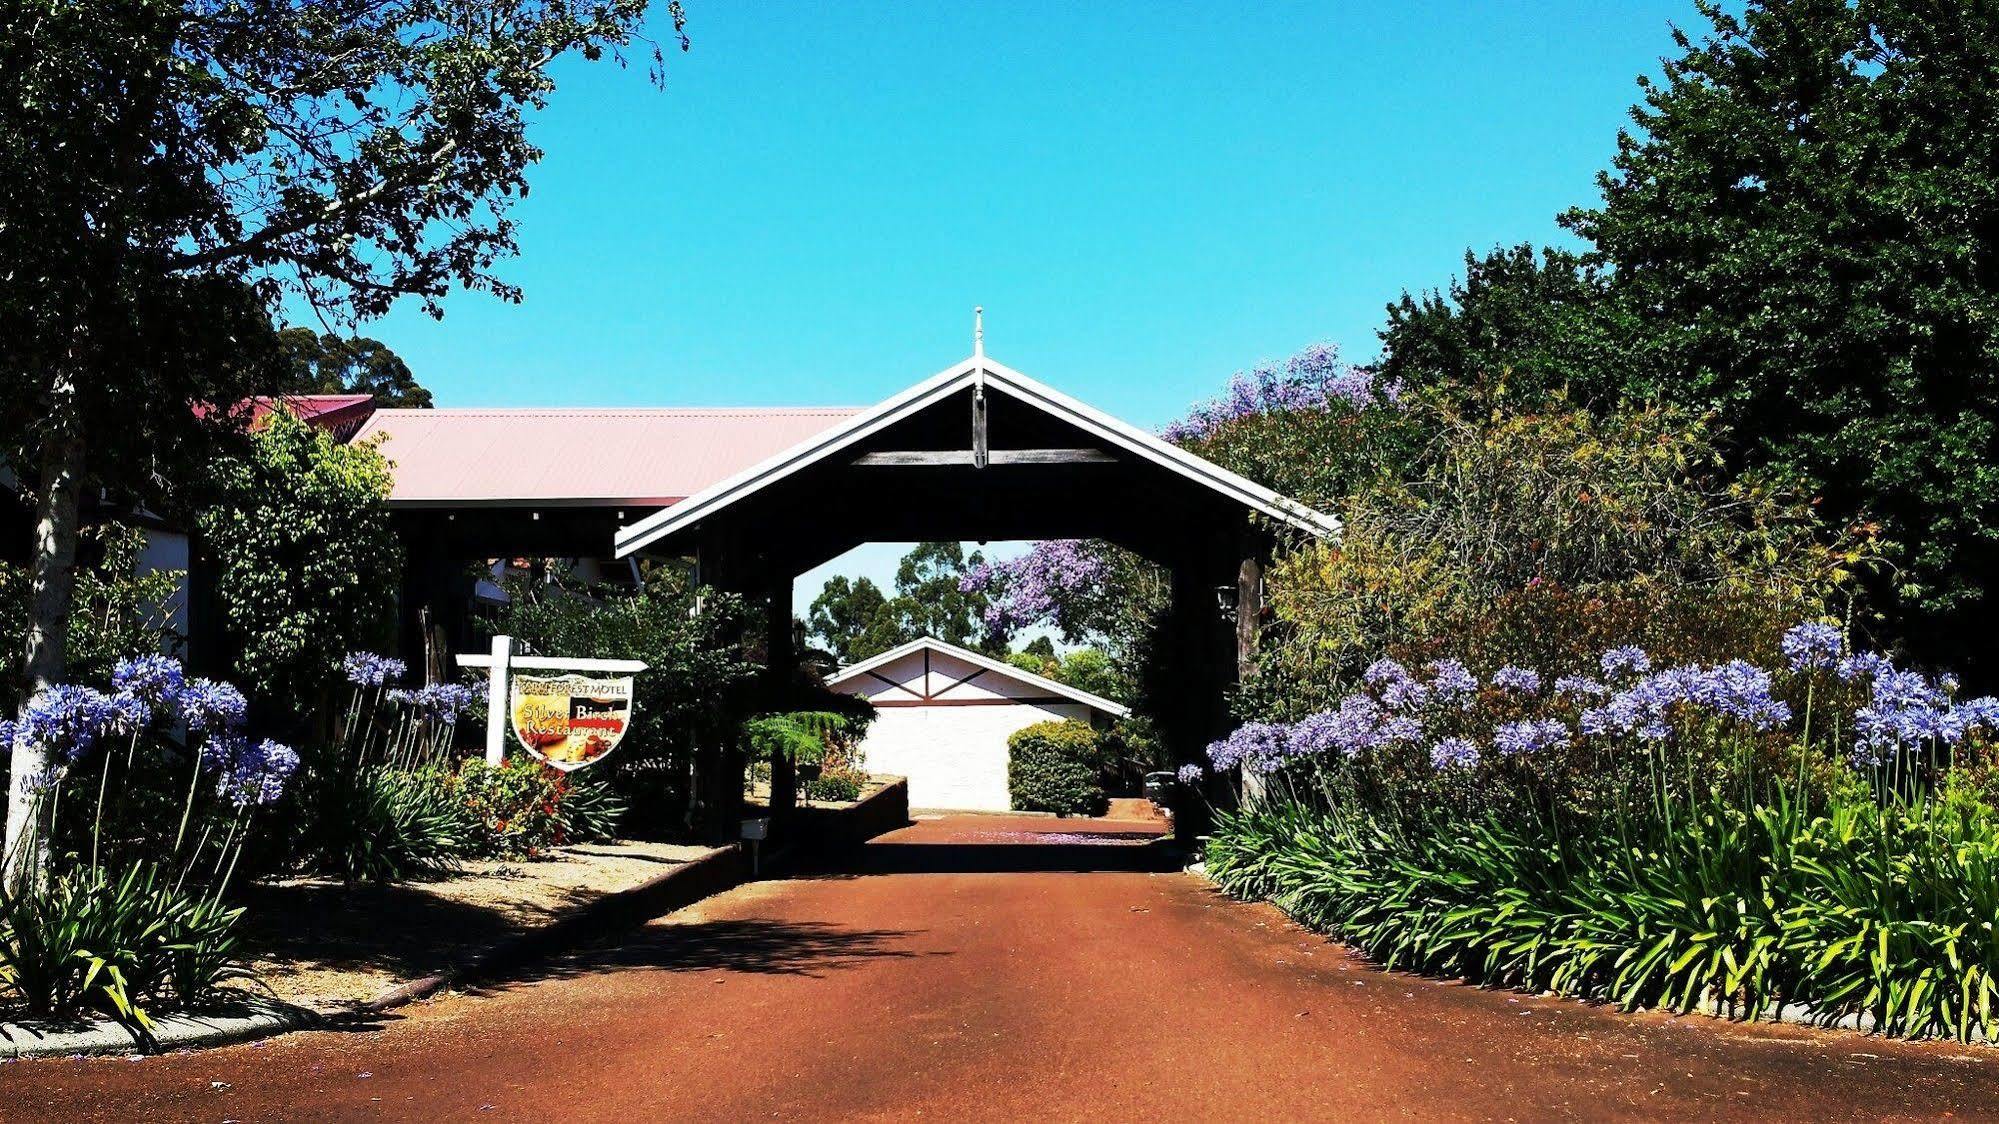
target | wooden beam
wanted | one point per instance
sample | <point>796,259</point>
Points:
<point>916,458</point>
<point>981,455</point>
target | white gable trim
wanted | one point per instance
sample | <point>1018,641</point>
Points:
<point>945,383</point>
<point>1000,667</point>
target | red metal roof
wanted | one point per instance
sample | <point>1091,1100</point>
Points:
<point>580,457</point>
<point>339,414</point>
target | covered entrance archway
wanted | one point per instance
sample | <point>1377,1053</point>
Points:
<point>980,451</point>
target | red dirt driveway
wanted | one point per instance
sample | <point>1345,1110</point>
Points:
<point>998,968</point>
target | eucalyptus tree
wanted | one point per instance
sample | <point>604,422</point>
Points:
<point>172,171</point>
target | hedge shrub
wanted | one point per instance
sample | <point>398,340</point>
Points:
<point>1056,767</point>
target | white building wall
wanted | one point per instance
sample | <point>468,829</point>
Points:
<point>954,756</point>
<point>168,550</point>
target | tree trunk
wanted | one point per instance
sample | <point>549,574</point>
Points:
<point>52,582</point>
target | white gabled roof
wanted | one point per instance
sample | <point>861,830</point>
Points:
<point>978,659</point>
<point>997,376</point>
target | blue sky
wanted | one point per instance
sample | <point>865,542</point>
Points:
<point>1144,197</point>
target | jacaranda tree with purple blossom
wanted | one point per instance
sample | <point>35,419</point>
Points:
<point>1314,427</point>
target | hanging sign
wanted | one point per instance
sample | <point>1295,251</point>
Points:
<point>569,721</point>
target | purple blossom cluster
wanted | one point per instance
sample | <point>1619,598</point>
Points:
<point>69,720</point>
<point>1453,753</point>
<point>1904,710</point>
<point>1396,707</point>
<point>1313,379</point>
<point>1580,687</point>
<point>1529,735</point>
<point>256,774</point>
<point>157,681</point>
<point>439,702</point>
<point>1812,645</point>
<point>366,669</point>
<point>1399,690</point>
<point>1627,660</point>
<point>210,706</point>
<point>66,720</point>
<point>1190,774</point>
<point>1039,587</point>
<point>1257,747</point>
<point>1452,682</point>
<point>1738,690</point>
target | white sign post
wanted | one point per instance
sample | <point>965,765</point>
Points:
<point>499,667</point>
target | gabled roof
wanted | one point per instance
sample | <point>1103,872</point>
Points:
<point>995,377</point>
<point>585,457</point>
<point>978,659</point>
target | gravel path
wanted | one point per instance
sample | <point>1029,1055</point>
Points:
<point>969,969</point>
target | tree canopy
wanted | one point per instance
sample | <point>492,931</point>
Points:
<point>326,363</point>
<point>170,170</point>
<point>1795,235</point>
<point>854,619</point>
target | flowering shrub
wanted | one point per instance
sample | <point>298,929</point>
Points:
<point>106,916</point>
<point>1538,540</point>
<point>1695,835</point>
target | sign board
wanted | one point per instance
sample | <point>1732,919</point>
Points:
<point>569,721</point>
<point>500,702</point>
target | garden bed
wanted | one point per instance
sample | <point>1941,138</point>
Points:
<point>331,947</point>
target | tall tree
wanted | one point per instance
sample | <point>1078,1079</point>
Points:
<point>854,619</point>
<point>930,593</point>
<point>328,363</point>
<point>170,169</point>
<point>1517,325</point>
<point>1806,215</point>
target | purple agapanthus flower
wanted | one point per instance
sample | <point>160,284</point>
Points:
<point>1453,753</point>
<point>1741,690</point>
<point>1981,713</point>
<point>1812,645</point>
<point>66,720</point>
<point>43,780</point>
<point>1580,687</point>
<point>1529,735</point>
<point>1190,774</point>
<point>1451,681</point>
<point>1259,747</point>
<point>1399,689</point>
<point>366,669</point>
<point>1629,659</point>
<point>209,706</point>
<point>155,680</point>
<point>129,712</point>
<point>257,773</point>
<point>1524,680</point>
<point>220,750</point>
<point>439,702</point>
<point>1862,664</point>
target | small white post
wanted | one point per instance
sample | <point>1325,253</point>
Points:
<point>497,718</point>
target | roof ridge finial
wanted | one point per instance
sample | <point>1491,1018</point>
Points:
<point>979,332</point>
